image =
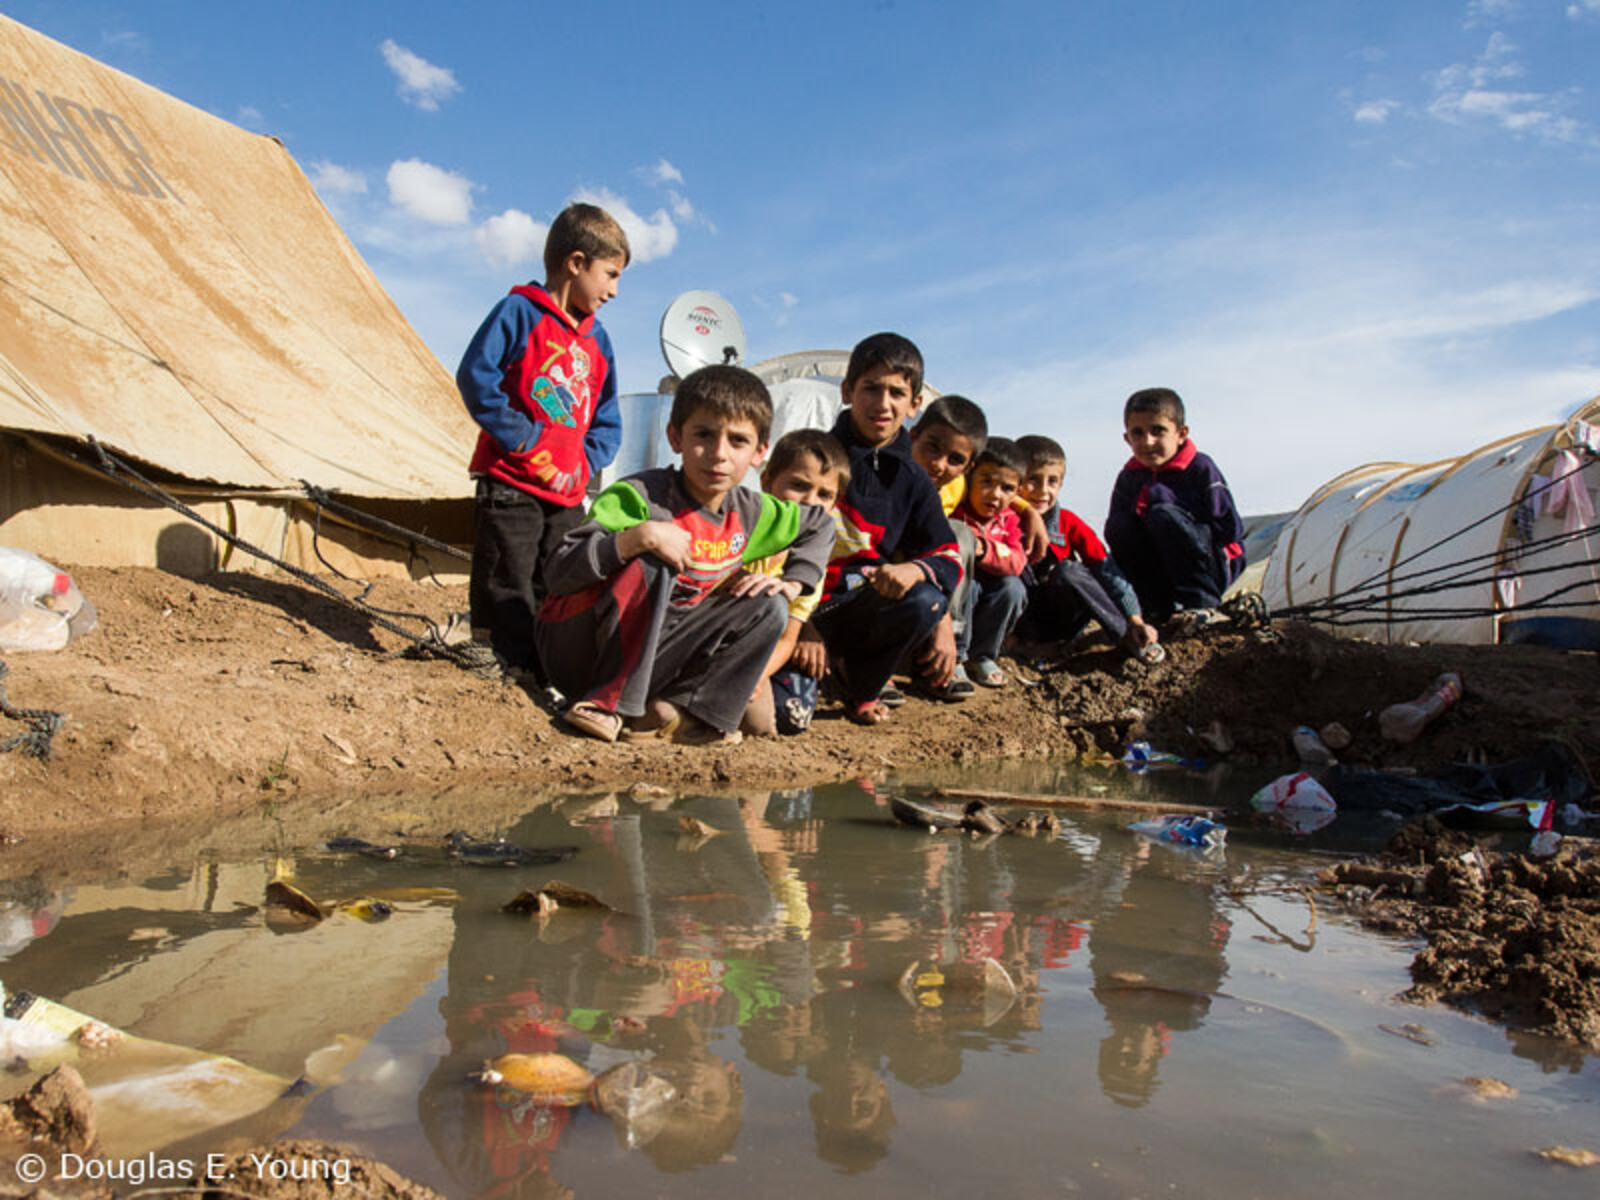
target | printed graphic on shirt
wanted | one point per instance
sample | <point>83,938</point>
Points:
<point>562,391</point>
<point>554,401</point>
<point>716,551</point>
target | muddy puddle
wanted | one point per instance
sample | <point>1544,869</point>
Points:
<point>836,1003</point>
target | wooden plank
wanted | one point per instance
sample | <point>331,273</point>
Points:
<point>1085,802</point>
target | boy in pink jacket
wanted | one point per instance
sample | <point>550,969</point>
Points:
<point>1000,595</point>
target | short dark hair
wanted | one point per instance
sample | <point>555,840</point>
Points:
<point>1156,400</point>
<point>1004,453</point>
<point>585,229</point>
<point>889,351</point>
<point>1040,450</point>
<point>819,443</point>
<point>729,393</point>
<point>959,414</point>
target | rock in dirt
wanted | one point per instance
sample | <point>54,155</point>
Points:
<point>57,1112</point>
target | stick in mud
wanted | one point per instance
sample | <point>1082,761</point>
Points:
<point>1033,801</point>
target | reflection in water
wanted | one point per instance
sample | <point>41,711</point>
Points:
<point>813,981</point>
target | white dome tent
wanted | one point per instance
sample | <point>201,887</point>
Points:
<point>1498,545</point>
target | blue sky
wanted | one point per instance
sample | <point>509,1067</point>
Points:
<point>1343,231</point>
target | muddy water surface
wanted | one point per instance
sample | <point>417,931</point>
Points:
<point>807,979</point>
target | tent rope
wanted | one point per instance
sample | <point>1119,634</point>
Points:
<point>470,656</point>
<point>43,725</point>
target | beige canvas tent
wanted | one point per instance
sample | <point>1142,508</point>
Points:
<point>171,286</point>
<point>1497,545</point>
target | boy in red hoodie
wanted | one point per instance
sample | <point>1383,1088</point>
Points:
<point>540,379</point>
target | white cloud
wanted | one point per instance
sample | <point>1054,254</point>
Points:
<point>1585,8</point>
<point>1375,112</point>
<point>430,193</point>
<point>331,179</point>
<point>124,41</point>
<point>649,237</point>
<point>250,117</point>
<point>1467,93</point>
<point>421,82</point>
<point>664,172</point>
<point>1488,12</point>
<point>681,208</point>
<point>788,299</point>
<point>511,238</point>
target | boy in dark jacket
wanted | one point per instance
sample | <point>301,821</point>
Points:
<point>1173,527</point>
<point>540,379</point>
<point>895,561</point>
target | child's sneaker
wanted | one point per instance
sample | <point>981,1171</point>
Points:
<point>958,689</point>
<point>987,673</point>
<point>1187,622</point>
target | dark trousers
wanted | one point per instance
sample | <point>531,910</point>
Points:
<point>1170,560</point>
<point>867,634</point>
<point>1065,601</point>
<point>622,643</point>
<point>514,534</point>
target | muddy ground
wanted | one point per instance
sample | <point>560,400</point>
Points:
<point>199,705</point>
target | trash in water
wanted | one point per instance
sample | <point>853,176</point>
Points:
<point>694,827</point>
<point>551,896</point>
<point>41,607</point>
<point>365,908</point>
<point>984,988</point>
<point>1141,756</point>
<point>548,1078</point>
<point>1569,1156</point>
<point>1297,791</point>
<point>1335,736</point>
<point>636,1099</point>
<point>289,903</point>
<point>475,852</point>
<point>355,845</point>
<point>1551,772</point>
<point>1198,832</point>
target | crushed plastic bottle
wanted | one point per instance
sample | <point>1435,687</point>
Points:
<point>1404,722</point>
<point>1202,832</point>
<point>40,607</point>
<point>1310,748</point>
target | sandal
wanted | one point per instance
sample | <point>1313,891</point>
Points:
<point>867,712</point>
<point>891,696</point>
<point>986,672</point>
<point>692,731</point>
<point>659,723</point>
<point>592,721</point>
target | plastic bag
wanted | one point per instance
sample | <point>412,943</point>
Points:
<point>41,607</point>
<point>1294,791</point>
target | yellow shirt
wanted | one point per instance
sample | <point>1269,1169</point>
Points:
<point>802,606</point>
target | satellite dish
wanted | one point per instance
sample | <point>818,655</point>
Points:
<point>700,329</point>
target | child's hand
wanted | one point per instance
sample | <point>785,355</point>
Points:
<point>665,540</point>
<point>810,657</point>
<point>749,583</point>
<point>939,659</point>
<point>1141,633</point>
<point>1035,537</point>
<point>894,581</point>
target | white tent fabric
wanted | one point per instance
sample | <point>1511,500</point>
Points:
<point>1378,532</point>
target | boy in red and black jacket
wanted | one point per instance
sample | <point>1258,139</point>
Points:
<point>895,560</point>
<point>1173,526</point>
<point>540,379</point>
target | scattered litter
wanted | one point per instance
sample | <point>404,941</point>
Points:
<point>365,908</point>
<point>1198,832</point>
<point>41,607</point>
<point>636,1099</point>
<point>355,845</point>
<point>549,1078</point>
<point>1411,1032</point>
<point>553,895</point>
<point>1550,772</point>
<point>983,988</point>
<point>1309,747</point>
<point>1404,722</point>
<point>500,853</point>
<point>1297,791</point>
<point>1335,736</point>
<point>288,902</point>
<point>649,791</point>
<point>1141,756</point>
<point>1545,844</point>
<point>1569,1156</point>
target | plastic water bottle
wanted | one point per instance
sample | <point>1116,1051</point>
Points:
<point>1309,746</point>
<point>1404,722</point>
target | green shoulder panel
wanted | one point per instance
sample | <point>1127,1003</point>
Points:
<point>621,506</point>
<point>775,529</point>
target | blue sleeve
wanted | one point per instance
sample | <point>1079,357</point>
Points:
<point>1221,513</point>
<point>604,439</point>
<point>1116,584</point>
<point>1121,521</point>
<point>481,375</point>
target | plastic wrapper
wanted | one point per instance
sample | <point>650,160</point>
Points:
<point>41,607</point>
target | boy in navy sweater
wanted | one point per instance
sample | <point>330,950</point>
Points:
<point>541,381</point>
<point>895,560</point>
<point>1173,527</point>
